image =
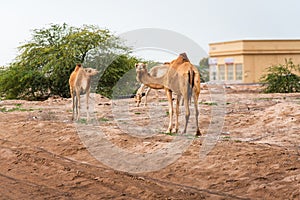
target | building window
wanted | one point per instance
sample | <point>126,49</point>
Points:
<point>238,72</point>
<point>213,73</point>
<point>230,72</point>
<point>221,72</point>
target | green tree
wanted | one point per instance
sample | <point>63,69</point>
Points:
<point>204,69</point>
<point>112,75</point>
<point>282,78</point>
<point>47,59</point>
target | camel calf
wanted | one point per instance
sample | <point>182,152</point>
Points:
<point>155,71</point>
<point>80,81</point>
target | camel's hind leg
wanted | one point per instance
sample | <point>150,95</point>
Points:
<point>187,112</point>
<point>169,96</point>
<point>177,113</point>
<point>73,104</point>
<point>198,133</point>
<point>196,93</point>
<point>77,105</point>
<point>87,105</point>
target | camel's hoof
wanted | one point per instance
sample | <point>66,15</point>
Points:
<point>198,133</point>
<point>169,131</point>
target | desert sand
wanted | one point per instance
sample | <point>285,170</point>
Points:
<point>255,154</point>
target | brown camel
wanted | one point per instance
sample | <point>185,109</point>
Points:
<point>80,81</point>
<point>155,71</point>
<point>182,78</point>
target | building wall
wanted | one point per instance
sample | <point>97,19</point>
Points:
<point>228,62</point>
<point>271,46</point>
<point>254,55</point>
<point>256,65</point>
<point>226,48</point>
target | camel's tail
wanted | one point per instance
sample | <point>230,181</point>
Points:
<point>191,75</point>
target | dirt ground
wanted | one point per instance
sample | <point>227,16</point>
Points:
<point>256,155</point>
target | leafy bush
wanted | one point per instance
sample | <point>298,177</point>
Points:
<point>282,78</point>
<point>204,70</point>
<point>112,75</point>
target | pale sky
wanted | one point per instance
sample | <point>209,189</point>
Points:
<point>203,21</point>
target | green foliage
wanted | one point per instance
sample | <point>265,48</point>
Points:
<point>204,70</point>
<point>48,58</point>
<point>282,78</point>
<point>119,66</point>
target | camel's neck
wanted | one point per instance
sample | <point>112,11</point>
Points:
<point>150,81</point>
<point>83,80</point>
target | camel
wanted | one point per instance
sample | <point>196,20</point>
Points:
<point>80,81</point>
<point>155,72</point>
<point>182,78</point>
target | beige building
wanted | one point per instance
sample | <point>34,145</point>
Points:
<point>244,61</point>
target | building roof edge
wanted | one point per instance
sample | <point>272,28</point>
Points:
<point>254,40</point>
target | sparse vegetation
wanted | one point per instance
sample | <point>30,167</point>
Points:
<point>162,100</point>
<point>82,121</point>
<point>226,138</point>
<point>282,78</point>
<point>18,107</point>
<point>237,141</point>
<point>209,103</point>
<point>103,119</point>
<point>169,133</point>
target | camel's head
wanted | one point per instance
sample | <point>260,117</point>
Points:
<point>91,71</point>
<point>140,67</point>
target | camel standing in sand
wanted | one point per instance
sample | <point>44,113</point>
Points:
<point>80,81</point>
<point>155,71</point>
<point>182,78</point>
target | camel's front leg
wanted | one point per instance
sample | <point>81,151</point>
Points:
<point>146,95</point>
<point>157,97</point>
<point>169,96</point>
<point>87,105</point>
<point>139,95</point>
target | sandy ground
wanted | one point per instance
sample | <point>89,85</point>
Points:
<point>255,153</point>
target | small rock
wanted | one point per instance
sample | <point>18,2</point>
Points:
<point>60,185</point>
